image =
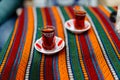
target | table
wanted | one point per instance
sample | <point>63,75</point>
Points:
<point>94,54</point>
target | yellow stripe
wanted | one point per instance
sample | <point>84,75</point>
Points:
<point>42,67</point>
<point>81,59</point>
<point>99,55</point>
<point>79,51</point>
<point>9,47</point>
<point>62,55</point>
<point>26,52</point>
<point>43,56</point>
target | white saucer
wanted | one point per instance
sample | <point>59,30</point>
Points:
<point>59,46</point>
<point>70,26</point>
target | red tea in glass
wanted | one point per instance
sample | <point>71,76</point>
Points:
<point>79,18</point>
<point>48,35</point>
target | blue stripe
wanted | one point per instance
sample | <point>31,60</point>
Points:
<point>94,60</point>
<point>55,68</point>
<point>52,16</point>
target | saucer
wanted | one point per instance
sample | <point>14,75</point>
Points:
<point>70,26</point>
<point>58,47</point>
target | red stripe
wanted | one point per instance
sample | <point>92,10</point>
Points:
<point>68,24</point>
<point>86,54</point>
<point>38,45</point>
<point>71,11</point>
<point>60,42</point>
<point>49,21</point>
<point>12,77</point>
<point>48,59</point>
<point>6,72</point>
<point>109,28</point>
<point>87,58</point>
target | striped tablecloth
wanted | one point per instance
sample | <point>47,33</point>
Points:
<point>92,55</point>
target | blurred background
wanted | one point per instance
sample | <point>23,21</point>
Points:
<point>43,3</point>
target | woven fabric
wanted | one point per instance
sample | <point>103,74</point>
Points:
<point>92,55</point>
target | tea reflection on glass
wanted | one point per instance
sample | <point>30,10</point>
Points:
<point>48,37</point>
<point>79,18</point>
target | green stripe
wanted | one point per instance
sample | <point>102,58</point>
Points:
<point>111,9</point>
<point>35,67</point>
<point>106,43</point>
<point>74,57</point>
<point>4,49</point>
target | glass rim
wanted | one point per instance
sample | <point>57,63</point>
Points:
<point>79,10</point>
<point>48,27</point>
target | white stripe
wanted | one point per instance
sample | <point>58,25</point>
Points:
<point>31,54</point>
<point>67,48</point>
<point>117,27</point>
<point>107,9</point>
<point>106,57</point>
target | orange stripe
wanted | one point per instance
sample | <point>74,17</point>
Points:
<point>108,13</point>
<point>79,50</point>
<point>9,47</point>
<point>42,67</point>
<point>117,53</point>
<point>68,12</point>
<point>26,52</point>
<point>104,10</point>
<point>99,55</point>
<point>43,56</point>
<point>62,55</point>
